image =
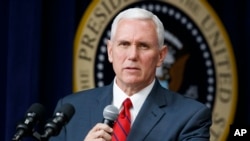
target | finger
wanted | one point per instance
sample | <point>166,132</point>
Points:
<point>106,135</point>
<point>102,126</point>
<point>103,134</point>
<point>93,133</point>
<point>99,132</point>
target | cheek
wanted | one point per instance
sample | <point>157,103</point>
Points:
<point>151,61</point>
<point>118,57</point>
<point>113,55</point>
<point>149,65</point>
<point>117,63</point>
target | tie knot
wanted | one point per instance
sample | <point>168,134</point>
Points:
<point>127,103</point>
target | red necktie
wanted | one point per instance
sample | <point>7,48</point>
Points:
<point>122,125</point>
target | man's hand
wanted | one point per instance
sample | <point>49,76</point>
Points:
<point>100,132</point>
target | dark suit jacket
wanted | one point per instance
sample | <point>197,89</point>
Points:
<point>164,116</point>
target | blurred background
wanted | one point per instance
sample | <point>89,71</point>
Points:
<point>36,54</point>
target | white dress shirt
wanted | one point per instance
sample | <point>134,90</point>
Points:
<point>137,99</point>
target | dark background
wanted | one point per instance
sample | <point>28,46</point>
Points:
<point>36,47</point>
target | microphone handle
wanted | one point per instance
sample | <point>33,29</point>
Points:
<point>48,133</point>
<point>110,123</point>
<point>22,130</point>
<point>18,135</point>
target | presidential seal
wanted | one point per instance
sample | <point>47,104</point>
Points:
<point>200,63</point>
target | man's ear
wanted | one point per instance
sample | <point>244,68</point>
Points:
<point>109,47</point>
<point>162,55</point>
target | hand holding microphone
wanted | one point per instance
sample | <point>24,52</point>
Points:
<point>104,130</point>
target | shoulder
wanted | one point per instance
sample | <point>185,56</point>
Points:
<point>87,94</point>
<point>186,109</point>
<point>173,99</point>
<point>88,97</point>
<point>179,98</point>
<point>182,103</point>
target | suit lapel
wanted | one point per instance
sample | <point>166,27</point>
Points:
<point>149,115</point>
<point>102,101</point>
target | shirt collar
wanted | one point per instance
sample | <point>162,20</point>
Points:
<point>137,99</point>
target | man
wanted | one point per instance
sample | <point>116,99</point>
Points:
<point>135,49</point>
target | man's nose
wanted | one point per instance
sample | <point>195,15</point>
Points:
<point>133,52</point>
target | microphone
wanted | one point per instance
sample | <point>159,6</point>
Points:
<point>35,113</point>
<point>60,118</point>
<point>110,113</point>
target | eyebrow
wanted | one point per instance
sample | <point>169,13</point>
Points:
<point>139,42</point>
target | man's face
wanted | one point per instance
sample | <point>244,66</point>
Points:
<point>135,53</point>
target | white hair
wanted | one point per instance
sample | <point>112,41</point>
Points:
<point>139,13</point>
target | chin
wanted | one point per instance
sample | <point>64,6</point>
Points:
<point>133,81</point>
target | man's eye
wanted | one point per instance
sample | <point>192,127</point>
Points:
<point>124,44</point>
<point>143,46</point>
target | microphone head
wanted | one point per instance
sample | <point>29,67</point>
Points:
<point>67,110</point>
<point>110,112</point>
<point>61,117</point>
<point>37,111</point>
<point>34,114</point>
